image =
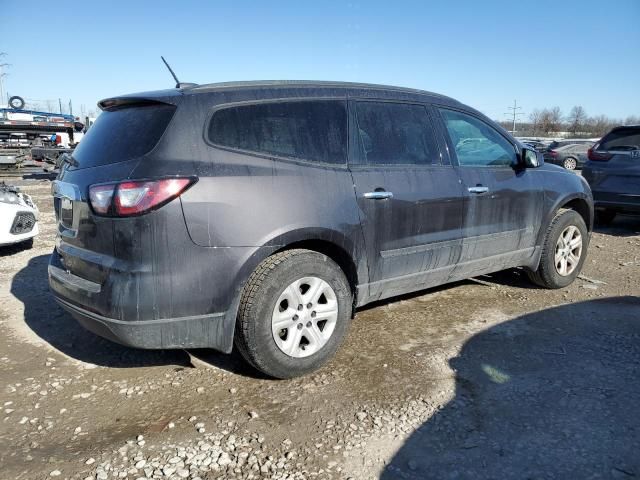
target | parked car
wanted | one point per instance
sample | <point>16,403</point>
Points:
<point>18,216</point>
<point>567,141</point>
<point>613,171</point>
<point>569,156</point>
<point>264,213</point>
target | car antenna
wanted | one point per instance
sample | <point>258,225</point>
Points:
<point>178,84</point>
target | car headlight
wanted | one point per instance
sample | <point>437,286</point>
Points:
<point>9,197</point>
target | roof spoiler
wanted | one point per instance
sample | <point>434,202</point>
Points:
<point>109,104</point>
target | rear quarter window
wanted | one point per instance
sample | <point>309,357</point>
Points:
<point>123,134</point>
<point>313,130</point>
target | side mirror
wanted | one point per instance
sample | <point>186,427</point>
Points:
<point>530,158</point>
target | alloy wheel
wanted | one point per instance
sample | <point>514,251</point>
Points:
<point>568,250</point>
<point>304,317</point>
<point>570,164</point>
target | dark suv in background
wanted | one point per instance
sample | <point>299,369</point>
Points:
<point>264,213</point>
<point>613,171</point>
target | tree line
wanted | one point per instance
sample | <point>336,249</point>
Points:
<point>548,122</point>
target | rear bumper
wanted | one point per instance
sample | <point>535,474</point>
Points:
<point>205,331</point>
<point>195,307</point>
<point>629,203</point>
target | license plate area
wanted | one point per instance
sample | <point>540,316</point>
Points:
<point>65,195</point>
<point>66,212</point>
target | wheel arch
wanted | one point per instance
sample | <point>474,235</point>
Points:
<point>582,207</point>
<point>335,245</point>
<point>578,202</point>
<point>335,252</point>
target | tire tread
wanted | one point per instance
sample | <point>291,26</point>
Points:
<point>248,305</point>
<point>543,276</point>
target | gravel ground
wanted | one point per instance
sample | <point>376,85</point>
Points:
<point>487,378</point>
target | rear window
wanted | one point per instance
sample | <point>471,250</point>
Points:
<point>123,134</point>
<point>306,130</point>
<point>623,139</point>
<point>396,133</point>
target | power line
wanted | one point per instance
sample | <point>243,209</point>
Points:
<point>514,113</point>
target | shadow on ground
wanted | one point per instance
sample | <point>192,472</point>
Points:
<point>552,394</point>
<point>56,327</point>
<point>14,248</point>
<point>231,362</point>
<point>622,226</point>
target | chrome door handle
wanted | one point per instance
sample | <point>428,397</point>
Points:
<point>378,195</point>
<point>478,189</point>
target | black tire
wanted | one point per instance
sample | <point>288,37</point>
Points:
<point>17,103</point>
<point>570,163</point>
<point>253,335</point>
<point>547,275</point>
<point>604,216</point>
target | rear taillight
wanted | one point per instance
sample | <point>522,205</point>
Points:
<point>135,197</point>
<point>553,153</point>
<point>598,156</point>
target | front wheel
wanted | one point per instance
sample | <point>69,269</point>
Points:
<point>294,313</point>
<point>563,251</point>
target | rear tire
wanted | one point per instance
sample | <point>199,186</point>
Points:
<point>289,287</point>
<point>570,163</point>
<point>604,217</point>
<point>562,258</point>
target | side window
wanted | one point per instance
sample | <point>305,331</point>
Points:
<point>395,134</point>
<point>476,143</point>
<point>306,130</point>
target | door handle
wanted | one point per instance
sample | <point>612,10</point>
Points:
<point>378,195</point>
<point>478,189</point>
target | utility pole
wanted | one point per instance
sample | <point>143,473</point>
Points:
<point>60,106</point>
<point>514,113</point>
<point>1,86</point>
<point>2,75</point>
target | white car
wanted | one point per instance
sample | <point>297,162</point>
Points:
<point>18,216</point>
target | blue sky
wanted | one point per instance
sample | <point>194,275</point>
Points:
<point>484,53</point>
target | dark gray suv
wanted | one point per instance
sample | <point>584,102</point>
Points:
<point>613,172</point>
<point>264,213</point>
